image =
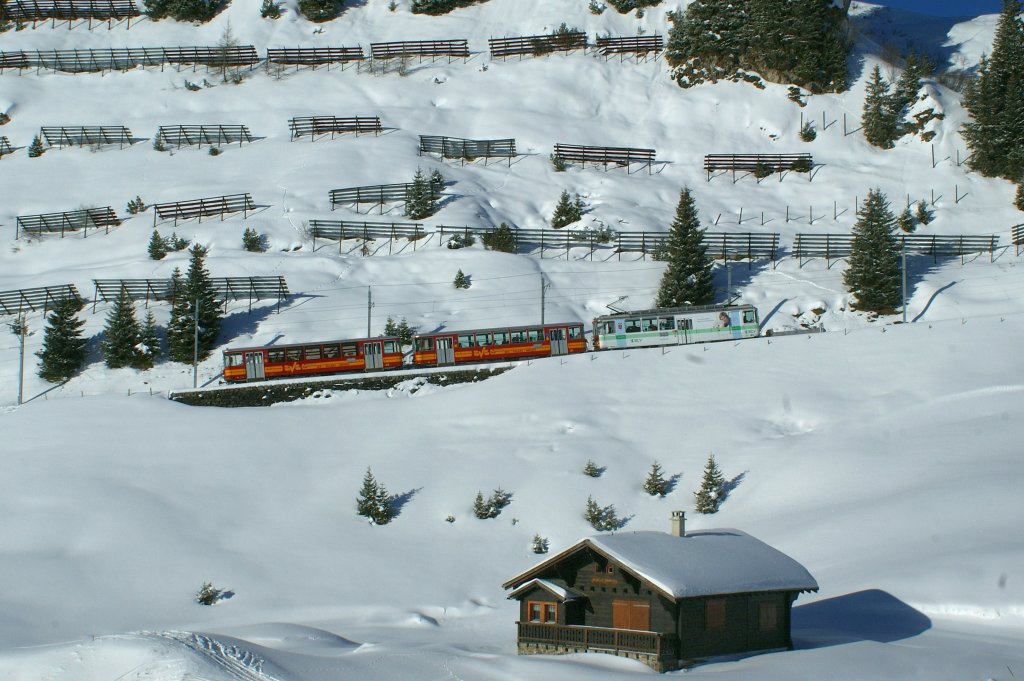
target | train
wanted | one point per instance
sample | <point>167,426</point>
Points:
<point>638,329</point>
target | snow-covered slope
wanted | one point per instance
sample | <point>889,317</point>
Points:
<point>882,457</point>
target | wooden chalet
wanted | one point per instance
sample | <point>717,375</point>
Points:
<point>665,599</point>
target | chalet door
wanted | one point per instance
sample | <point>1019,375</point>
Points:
<point>372,356</point>
<point>254,366</point>
<point>631,615</point>
<point>559,346</point>
<point>445,353</point>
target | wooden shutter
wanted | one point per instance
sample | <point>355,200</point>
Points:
<point>631,615</point>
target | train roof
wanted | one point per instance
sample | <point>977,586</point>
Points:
<point>305,343</point>
<point>675,310</point>
<point>510,327</point>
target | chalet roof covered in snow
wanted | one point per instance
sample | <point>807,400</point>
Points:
<point>702,563</point>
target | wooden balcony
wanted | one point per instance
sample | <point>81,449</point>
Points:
<point>599,639</point>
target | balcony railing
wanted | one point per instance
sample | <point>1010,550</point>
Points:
<point>599,638</point>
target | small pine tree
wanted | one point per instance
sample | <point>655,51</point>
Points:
<point>121,334</point>
<point>921,212</point>
<point>481,509</point>
<point>601,518</point>
<point>540,544</point>
<point>149,343</point>
<point>270,10</point>
<point>1018,199</point>
<point>136,206</point>
<point>687,279</point>
<point>501,239</point>
<point>873,272</point>
<point>35,149</point>
<point>208,594</point>
<point>400,329</point>
<point>63,351</point>
<point>157,246</point>
<point>177,243</point>
<point>709,496</point>
<point>252,241</point>
<point>877,117</point>
<point>374,502</point>
<point>420,202</point>
<point>905,220</point>
<point>558,163</point>
<point>318,10</point>
<point>656,484</point>
<point>592,470</point>
<point>808,133</point>
<point>461,280</point>
<point>436,179</point>
<point>567,211</point>
<point>592,513</point>
<point>158,144</point>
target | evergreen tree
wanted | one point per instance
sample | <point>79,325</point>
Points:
<point>501,239</point>
<point>873,274</point>
<point>656,484</point>
<point>905,93</point>
<point>712,488</point>
<point>710,34</point>
<point>252,241</point>
<point>687,279</point>
<point>877,118</point>
<point>122,334</point>
<point>1018,199</point>
<point>440,6</point>
<point>420,201</point>
<point>182,10</point>
<point>136,205</point>
<point>199,287</point>
<point>568,210</point>
<point>270,10</point>
<point>63,351</point>
<point>181,328</point>
<point>318,10</point>
<point>540,544</point>
<point>149,342</point>
<point>461,281</point>
<point>592,470</point>
<point>480,507</point>
<point>157,246</point>
<point>923,215</point>
<point>995,100</point>
<point>905,220</point>
<point>374,502</point>
<point>36,148</point>
<point>400,329</point>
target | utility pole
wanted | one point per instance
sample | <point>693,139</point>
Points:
<point>195,349</point>
<point>728,281</point>
<point>543,288</point>
<point>904,287</point>
<point>369,306</point>
<point>22,331</point>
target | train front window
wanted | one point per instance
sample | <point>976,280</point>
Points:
<point>749,317</point>
<point>275,355</point>
<point>233,360</point>
<point>606,328</point>
<point>390,346</point>
<point>293,354</point>
<point>424,344</point>
<point>575,332</point>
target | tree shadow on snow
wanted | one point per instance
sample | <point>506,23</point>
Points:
<point>729,485</point>
<point>870,615</point>
<point>398,501</point>
<point>672,482</point>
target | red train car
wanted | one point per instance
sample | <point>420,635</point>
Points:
<point>312,359</point>
<point>498,344</point>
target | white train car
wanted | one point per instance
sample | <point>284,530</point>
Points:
<point>675,326</point>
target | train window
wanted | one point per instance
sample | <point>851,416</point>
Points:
<point>632,326</point>
<point>536,335</point>
<point>424,344</point>
<point>749,317</point>
<point>649,324</point>
<point>575,332</point>
<point>483,339</point>
<point>518,336</point>
<point>349,350</point>
<point>501,338</point>
<point>666,324</point>
<point>275,355</point>
<point>466,341</point>
<point>312,352</point>
<point>233,360</point>
<point>606,328</point>
<point>332,352</point>
<point>293,354</point>
<point>390,346</point>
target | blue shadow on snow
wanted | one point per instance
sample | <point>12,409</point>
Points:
<point>871,615</point>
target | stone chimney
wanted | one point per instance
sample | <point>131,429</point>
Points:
<point>678,524</point>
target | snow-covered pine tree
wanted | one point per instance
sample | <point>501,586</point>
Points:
<point>36,148</point>
<point>270,10</point>
<point>149,342</point>
<point>121,334</point>
<point>905,220</point>
<point>656,484</point>
<point>157,246</point>
<point>63,351</point>
<point>540,544</point>
<point>592,470</point>
<point>873,273</point>
<point>923,215</point>
<point>420,202</point>
<point>461,280</point>
<point>252,241</point>
<point>440,6</point>
<point>181,328</point>
<point>318,10</point>
<point>709,496</point>
<point>182,10</point>
<point>905,93</point>
<point>995,100</point>
<point>198,287</point>
<point>136,205</point>
<point>708,35</point>
<point>687,279</point>
<point>373,501</point>
<point>501,239</point>
<point>1018,199</point>
<point>566,212</point>
<point>592,513</point>
<point>877,117</point>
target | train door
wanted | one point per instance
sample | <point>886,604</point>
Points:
<point>559,344</point>
<point>372,355</point>
<point>445,352</point>
<point>254,366</point>
<point>684,328</point>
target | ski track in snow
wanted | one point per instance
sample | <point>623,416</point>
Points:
<point>237,662</point>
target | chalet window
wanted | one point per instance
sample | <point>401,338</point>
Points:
<point>542,612</point>
<point>714,613</point>
<point>767,616</point>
